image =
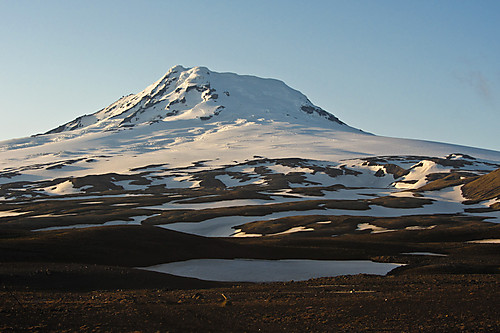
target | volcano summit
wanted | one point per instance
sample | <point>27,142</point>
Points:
<point>197,93</point>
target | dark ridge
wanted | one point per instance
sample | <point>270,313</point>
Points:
<point>313,109</point>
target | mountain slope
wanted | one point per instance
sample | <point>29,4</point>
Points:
<point>483,188</point>
<point>195,114</point>
<point>224,155</point>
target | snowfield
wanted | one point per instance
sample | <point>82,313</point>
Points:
<point>198,141</point>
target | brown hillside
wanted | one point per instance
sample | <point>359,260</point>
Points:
<point>483,188</point>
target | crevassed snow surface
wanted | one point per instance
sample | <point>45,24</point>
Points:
<point>255,270</point>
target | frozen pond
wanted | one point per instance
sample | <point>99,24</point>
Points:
<point>256,270</point>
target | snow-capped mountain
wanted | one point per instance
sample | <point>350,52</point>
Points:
<point>199,95</point>
<point>234,151</point>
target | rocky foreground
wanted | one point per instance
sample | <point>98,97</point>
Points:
<point>405,303</point>
<point>85,280</point>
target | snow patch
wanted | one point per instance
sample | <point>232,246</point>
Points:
<point>11,213</point>
<point>63,188</point>
<point>417,175</point>
<point>418,227</point>
<point>486,241</point>
<point>239,233</point>
<point>291,231</point>
<point>451,194</point>
<point>425,254</point>
<point>374,229</point>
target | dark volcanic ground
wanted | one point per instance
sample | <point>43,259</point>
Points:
<point>405,303</point>
<point>91,285</point>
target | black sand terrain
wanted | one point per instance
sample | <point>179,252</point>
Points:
<point>84,280</point>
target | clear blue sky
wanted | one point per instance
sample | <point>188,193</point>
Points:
<point>417,69</point>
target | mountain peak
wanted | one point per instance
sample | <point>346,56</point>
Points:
<point>200,95</point>
<point>196,74</point>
